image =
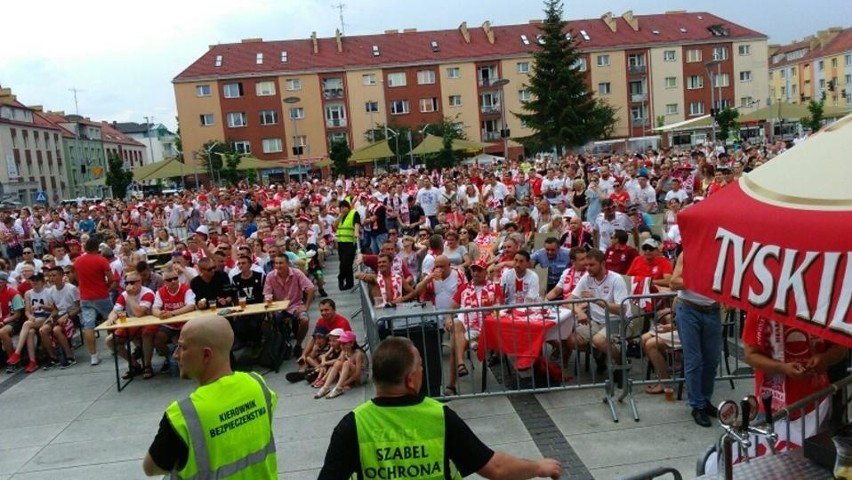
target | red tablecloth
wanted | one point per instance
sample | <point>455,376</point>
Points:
<point>514,334</point>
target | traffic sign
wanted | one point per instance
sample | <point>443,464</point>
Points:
<point>41,197</point>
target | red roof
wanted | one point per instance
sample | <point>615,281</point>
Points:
<point>112,135</point>
<point>842,42</point>
<point>57,120</point>
<point>407,48</point>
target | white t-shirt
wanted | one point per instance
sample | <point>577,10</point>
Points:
<point>606,227</point>
<point>529,286</point>
<point>66,298</point>
<point>427,198</point>
<point>646,198</point>
<point>612,289</point>
<point>680,195</point>
<point>446,289</point>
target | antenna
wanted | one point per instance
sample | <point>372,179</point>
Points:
<point>340,7</point>
<point>76,106</point>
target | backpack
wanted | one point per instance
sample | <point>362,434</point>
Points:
<point>274,344</point>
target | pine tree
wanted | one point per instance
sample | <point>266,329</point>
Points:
<point>562,111</point>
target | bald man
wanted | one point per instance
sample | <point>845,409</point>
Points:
<point>440,284</point>
<point>229,415</point>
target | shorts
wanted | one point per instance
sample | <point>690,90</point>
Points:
<point>589,330</point>
<point>472,329</point>
<point>563,328</point>
<point>169,332</point>
<point>669,339</point>
<point>17,325</point>
<point>69,327</point>
<point>90,310</point>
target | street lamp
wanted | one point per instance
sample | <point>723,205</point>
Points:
<point>149,122</point>
<point>504,132</point>
<point>297,149</point>
<point>209,152</point>
<point>708,67</point>
<point>396,141</point>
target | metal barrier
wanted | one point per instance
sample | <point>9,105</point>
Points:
<point>524,348</point>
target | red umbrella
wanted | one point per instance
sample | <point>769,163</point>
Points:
<point>779,241</point>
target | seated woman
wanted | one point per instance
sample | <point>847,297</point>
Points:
<point>350,369</point>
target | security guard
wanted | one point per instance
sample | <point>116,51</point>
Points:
<point>348,228</point>
<point>224,428</point>
<point>400,434</point>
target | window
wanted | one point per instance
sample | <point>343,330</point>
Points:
<point>822,84</point>
<point>848,79</point>
<point>669,55</point>
<point>636,61</point>
<point>603,60</point>
<point>237,119</point>
<point>721,80</point>
<point>744,50</point>
<point>425,77</point>
<point>399,107</point>
<point>206,119</point>
<point>233,90</point>
<point>638,114</point>
<point>297,113</point>
<point>272,145</point>
<point>746,101</point>
<point>332,88</point>
<point>720,53</point>
<point>259,59</point>
<point>242,146</point>
<point>821,65</point>
<point>428,104</point>
<point>671,109</point>
<point>218,61</point>
<point>453,72</point>
<point>337,137</point>
<point>202,90</point>
<point>604,88</point>
<point>300,140</point>
<point>580,64</point>
<point>294,84</point>
<point>745,76</point>
<point>694,82</point>
<point>671,82</point>
<point>848,60</point>
<point>696,108</point>
<point>335,115</point>
<point>397,79</point>
<point>523,67</point>
<point>268,117</point>
<point>834,62</point>
<point>784,73</point>
<point>693,55</point>
<point>455,101</point>
<point>371,107</point>
<point>265,89</point>
<point>368,79</point>
<point>524,95</point>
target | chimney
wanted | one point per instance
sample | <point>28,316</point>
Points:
<point>631,20</point>
<point>314,42</point>
<point>392,31</point>
<point>409,30</point>
<point>773,48</point>
<point>489,33</point>
<point>5,92</point>
<point>36,108</point>
<point>252,40</point>
<point>338,38</point>
<point>536,21</point>
<point>464,33</point>
<point>609,21</point>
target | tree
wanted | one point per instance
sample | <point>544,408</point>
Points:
<point>340,154</point>
<point>117,178</point>
<point>229,171</point>
<point>212,157</point>
<point>817,110</point>
<point>562,110</point>
<point>727,120</point>
<point>178,141</point>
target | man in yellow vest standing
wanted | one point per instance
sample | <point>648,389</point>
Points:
<point>348,231</point>
<point>400,434</point>
<point>224,428</point>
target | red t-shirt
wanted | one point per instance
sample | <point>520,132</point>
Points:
<point>621,200</point>
<point>92,271</point>
<point>24,287</point>
<point>339,321</point>
<point>619,260</point>
<point>6,297</point>
<point>655,269</point>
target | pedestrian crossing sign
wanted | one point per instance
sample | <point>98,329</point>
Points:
<point>41,197</point>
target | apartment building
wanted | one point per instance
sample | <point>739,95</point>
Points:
<point>267,97</point>
<point>819,65</point>
<point>157,137</point>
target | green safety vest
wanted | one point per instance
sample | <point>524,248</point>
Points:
<point>346,228</point>
<point>227,426</point>
<point>402,442</point>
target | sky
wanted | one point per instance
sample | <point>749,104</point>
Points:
<point>121,59</point>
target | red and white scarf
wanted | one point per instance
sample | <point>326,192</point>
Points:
<point>396,287</point>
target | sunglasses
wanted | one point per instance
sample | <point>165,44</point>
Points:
<point>208,269</point>
<point>173,279</point>
<point>132,282</point>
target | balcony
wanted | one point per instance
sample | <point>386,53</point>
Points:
<point>335,122</point>
<point>488,81</point>
<point>489,136</point>
<point>490,109</point>
<point>332,93</point>
<point>639,122</point>
<point>638,97</point>
<point>636,69</point>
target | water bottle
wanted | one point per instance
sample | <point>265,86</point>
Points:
<point>174,369</point>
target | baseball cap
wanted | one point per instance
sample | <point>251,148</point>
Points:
<point>650,242</point>
<point>320,331</point>
<point>347,337</point>
<point>337,332</point>
<point>481,263</point>
<point>202,230</point>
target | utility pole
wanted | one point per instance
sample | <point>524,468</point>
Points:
<point>149,122</point>
<point>340,7</point>
<point>77,154</point>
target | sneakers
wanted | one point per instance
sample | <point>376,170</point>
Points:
<point>710,410</point>
<point>701,417</point>
<point>68,362</point>
<point>12,368</point>
<point>14,359</point>
<point>95,359</point>
<point>50,364</point>
<point>31,367</point>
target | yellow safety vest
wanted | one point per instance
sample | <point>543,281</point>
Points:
<point>346,228</point>
<point>227,426</point>
<point>402,442</point>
